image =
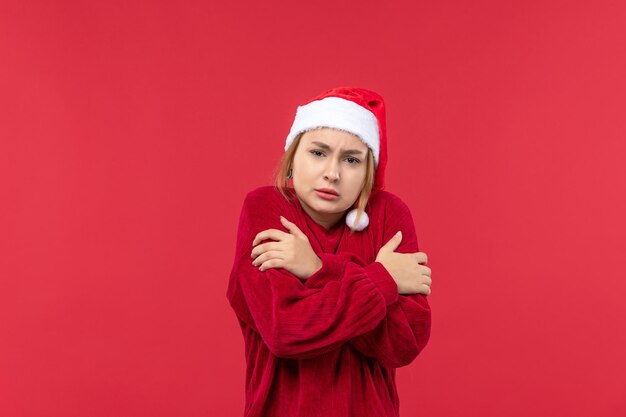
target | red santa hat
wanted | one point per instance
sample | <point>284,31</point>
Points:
<point>355,110</point>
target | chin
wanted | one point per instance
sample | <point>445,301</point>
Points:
<point>329,208</point>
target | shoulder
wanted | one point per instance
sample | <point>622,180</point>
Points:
<point>394,214</point>
<point>388,202</point>
<point>265,197</point>
<point>263,206</point>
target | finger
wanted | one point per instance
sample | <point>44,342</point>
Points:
<point>420,289</point>
<point>393,243</point>
<point>426,280</point>
<point>264,247</point>
<point>272,263</point>
<point>267,256</point>
<point>274,234</point>
<point>421,257</point>
<point>291,227</point>
<point>424,270</point>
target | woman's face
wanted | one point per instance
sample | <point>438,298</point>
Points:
<point>333,160</point>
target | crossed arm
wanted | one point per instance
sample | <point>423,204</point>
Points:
<point>405,329</point>
<point>341,302</point>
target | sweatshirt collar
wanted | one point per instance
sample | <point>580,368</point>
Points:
<point>327,241</point>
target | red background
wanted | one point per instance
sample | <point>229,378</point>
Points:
<point>130,133</point>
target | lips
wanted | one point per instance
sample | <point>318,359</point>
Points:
<point>327,191</point>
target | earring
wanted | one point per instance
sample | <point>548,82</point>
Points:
<point>289,174</point>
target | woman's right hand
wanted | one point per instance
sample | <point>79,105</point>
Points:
<point>406,268</point>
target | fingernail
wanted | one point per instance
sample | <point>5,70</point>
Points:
<point>399,233</point>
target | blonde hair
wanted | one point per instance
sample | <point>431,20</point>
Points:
<point>286,163</point>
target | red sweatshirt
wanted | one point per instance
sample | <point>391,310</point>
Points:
<point>329,345</point>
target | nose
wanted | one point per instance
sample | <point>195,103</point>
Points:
<point>332,170</point>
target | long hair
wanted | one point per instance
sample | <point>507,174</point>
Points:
<point>286,163</point>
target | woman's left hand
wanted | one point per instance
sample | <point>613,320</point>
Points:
<point>291,251</point>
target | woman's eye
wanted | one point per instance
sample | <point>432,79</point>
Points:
<point>317,152</point>
<point>355,161</point>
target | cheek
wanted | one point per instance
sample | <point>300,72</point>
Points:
<point>302,177</point>
<point>355,184</point>
<point>305,170</point>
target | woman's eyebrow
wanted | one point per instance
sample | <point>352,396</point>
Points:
<point>347,151</point>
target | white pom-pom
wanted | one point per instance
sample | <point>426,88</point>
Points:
<point>363,221</point>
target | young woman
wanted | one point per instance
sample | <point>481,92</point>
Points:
<point>330,298</point>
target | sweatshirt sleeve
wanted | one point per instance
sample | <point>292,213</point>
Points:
<point>405,330</point>
<point>293,320</point>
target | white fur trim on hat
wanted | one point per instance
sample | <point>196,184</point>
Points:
<point>364,221</point>
<point>337,113</point>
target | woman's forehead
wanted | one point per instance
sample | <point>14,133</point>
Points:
<point>334,138</point>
